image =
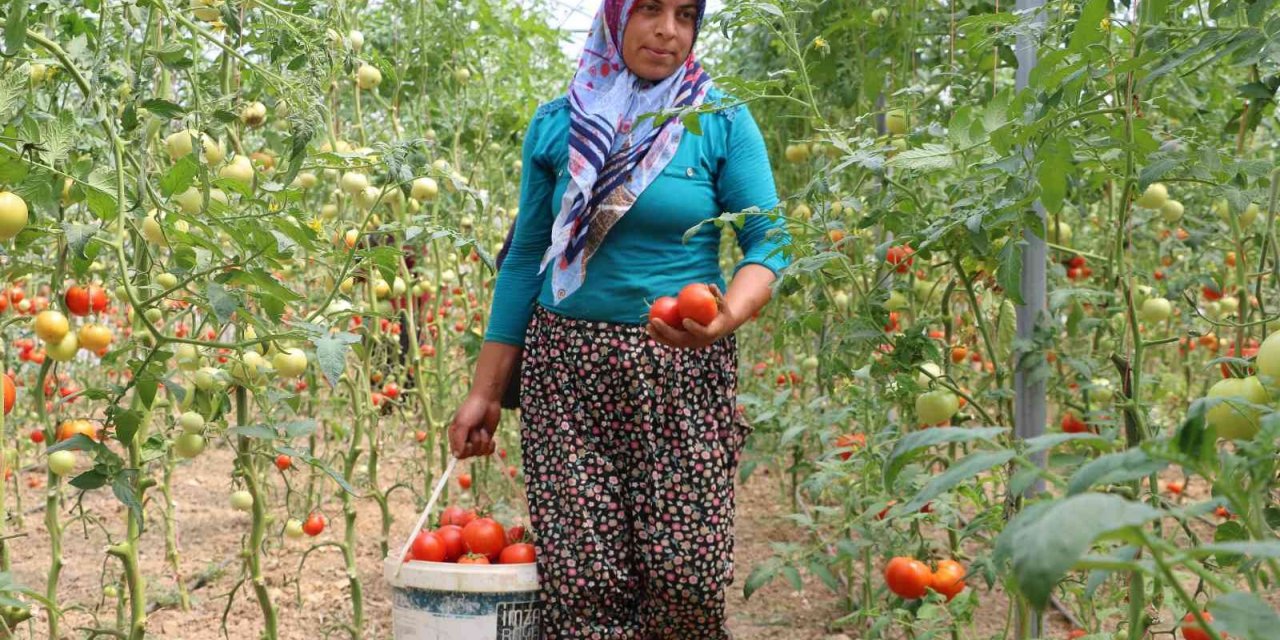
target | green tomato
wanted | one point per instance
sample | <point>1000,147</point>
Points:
<point>293,528</point>
<point>241,500</point>
<point>62,462</point>
<point>1233,419</point>
<point>189,445</point>
<point>934,407</point>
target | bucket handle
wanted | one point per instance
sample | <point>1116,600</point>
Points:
<point>422,520</point>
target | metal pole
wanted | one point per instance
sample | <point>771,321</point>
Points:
<point>1030,412</point>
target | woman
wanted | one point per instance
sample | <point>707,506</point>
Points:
<point>629,429</point>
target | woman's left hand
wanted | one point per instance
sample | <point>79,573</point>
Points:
<point>694,335</point>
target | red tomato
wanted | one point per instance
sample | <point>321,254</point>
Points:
<point>697,303</point>
<point>456,515</point>
<point>98,299</point>
<point>472,558</point>
<point>10,394</point>
<point>850,442</point>
<point>1076,262</point>
<point>1191,629</point>
<point>1211,292</point>
<point>907,577</point>
<point>515,534</point>
<point>484,536</point>
<point>428,547</point>
<point>464,481</point>
<point>314,525</point>
<point>451,536</point>
<point>521,553</point>
<point>37,436</point>
<point>666,309</point>
<point>391,390</point>
<point>1077,633</point>
<point>283,462</point>
<point>77,300</point>
<point>900,258</point>
<point>1072,424</point>
<point>948,579</point>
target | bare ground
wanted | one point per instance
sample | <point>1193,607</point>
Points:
<point>316,602</point>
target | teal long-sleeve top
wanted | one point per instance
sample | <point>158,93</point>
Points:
<point>644,256</point>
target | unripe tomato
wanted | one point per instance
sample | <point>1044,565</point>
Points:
<point>13,215</point>
<point>907,577</point>
<point>189,445</point>
<point>62,462</point>
<point>241,500</point>
<point>293,528</point>
<point>51,326</point>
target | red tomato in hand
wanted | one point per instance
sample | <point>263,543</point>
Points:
<point>456,515</point>
<point>485,537</point>
<point>428,547</point>
<point>451,535</point>
<point>697,303</point>
<point>314,525</point>
<point>521,553</point>
<point>666,309</point>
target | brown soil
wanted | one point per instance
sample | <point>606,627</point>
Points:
<point>317,601</point>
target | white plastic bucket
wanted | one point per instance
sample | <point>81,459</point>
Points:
<point>445,601</point>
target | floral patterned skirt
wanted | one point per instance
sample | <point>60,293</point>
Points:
<point>630,452</point>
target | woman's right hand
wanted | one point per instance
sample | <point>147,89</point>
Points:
<point>473,426</point>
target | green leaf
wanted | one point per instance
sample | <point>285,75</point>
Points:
<point>691,123</point>
<point>914,443</point>
<point>1130,464</point>
<point>954,475</point>
<point>224,302</point>
<point>123,488</point>
<point>259,431</point>
<point>126,422</point>
<point>1053,169</point>
<point>299,429</point>
<point>180,176</point>
<point>1088,29</point>
<point>15,28</point>
<point>1194,439</point>
<point>1045,541</point>
<point>1009,272</point>
<point>164,108</point>
<point>331,355</point>
<point>761,575</point>
<point>90,480</point>
<point>929,156</point>
<point>79,235</point>
<point>1244,616</point>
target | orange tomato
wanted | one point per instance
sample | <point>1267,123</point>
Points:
<point>948,579</point>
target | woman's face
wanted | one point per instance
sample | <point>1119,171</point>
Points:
<point>659,37</point>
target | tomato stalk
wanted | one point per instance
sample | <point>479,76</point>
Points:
<point>171,553</point>
<point>253,544</point>
<point>361,401</point>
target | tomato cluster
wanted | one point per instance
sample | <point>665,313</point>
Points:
<point>911,579</point>
<point>465,538</point>
<point>695,302</point>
